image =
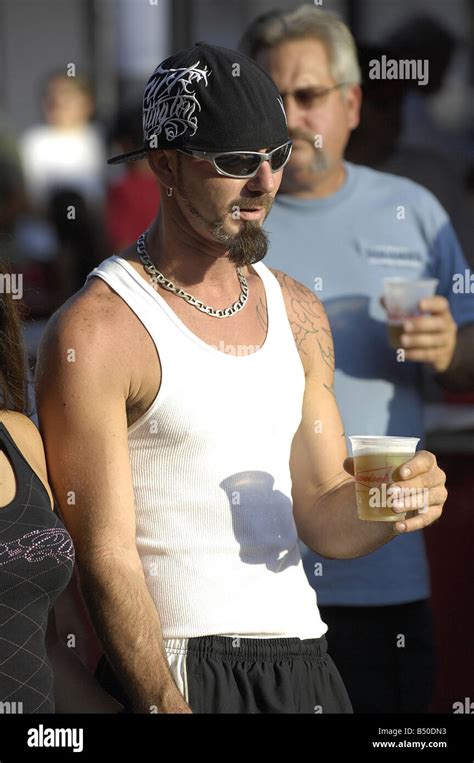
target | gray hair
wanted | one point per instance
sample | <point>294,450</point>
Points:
<point>306,21</point>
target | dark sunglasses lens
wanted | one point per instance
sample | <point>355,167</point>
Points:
<point>280,156</point>
<point>240,165</point>
<point>308,96</point>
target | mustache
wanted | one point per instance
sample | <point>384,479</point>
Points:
<point>264,201</point>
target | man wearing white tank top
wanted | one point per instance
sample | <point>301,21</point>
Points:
<point>191,431</point>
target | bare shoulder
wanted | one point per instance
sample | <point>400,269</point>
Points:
<point>94,309</point>
<point>308,321</point>
<point>29,442</point>
<point>94,330</point>
<point>22,428</point>
<point>95,351</point>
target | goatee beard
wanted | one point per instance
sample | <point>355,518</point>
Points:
<point>248,246</point>
<point>320,162</point>
<point>244,248</point>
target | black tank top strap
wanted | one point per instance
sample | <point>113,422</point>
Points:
<point>24,474</point>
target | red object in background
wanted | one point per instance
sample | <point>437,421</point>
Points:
<point>459,397</point>
<point>131,204</point>
<point>449,548</point>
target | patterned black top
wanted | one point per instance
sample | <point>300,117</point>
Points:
<point>36,564</point>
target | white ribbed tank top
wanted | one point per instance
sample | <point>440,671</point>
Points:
<point>211,478</point>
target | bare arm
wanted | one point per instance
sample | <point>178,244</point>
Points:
<point>81,395</point>
<point>324,504</point>
<point>323,492</point>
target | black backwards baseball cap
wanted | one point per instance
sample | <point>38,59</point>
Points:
<point>208,98</point>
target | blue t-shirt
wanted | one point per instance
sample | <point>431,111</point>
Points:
<point>342,246</point>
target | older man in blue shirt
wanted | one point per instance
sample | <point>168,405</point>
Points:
<point>340,229</point>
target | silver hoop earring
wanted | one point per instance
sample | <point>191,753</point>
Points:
<point>169,191</point>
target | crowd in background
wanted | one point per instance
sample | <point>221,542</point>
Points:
<point>63,210</point>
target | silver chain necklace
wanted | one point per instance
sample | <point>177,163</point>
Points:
<point>157,276</point>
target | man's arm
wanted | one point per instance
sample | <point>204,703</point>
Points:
<point>435,339</point>
<point>324,502</point>
<point>81,395</point>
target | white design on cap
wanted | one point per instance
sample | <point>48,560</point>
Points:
<point>169,105</point>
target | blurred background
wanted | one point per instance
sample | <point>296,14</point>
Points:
<point>72,74</point>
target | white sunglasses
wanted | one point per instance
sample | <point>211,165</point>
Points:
<point>243,164</point>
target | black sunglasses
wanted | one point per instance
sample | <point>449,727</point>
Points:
<point>243,164</point>
<point>313,96</point>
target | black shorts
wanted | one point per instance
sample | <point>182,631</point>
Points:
<point>225,674</point>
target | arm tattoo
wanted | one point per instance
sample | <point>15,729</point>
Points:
<point>305,318</point>
<point>330,389</point>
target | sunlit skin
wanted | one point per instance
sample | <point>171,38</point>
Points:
<point>319,172</point>
<point>180,242</point>
<point>183,247</point>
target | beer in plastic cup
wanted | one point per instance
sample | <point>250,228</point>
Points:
<point>375,460</point>
<point>401,297</point>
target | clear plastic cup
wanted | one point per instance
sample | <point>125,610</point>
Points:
<point>375,461</point>
<point>402,296</point>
